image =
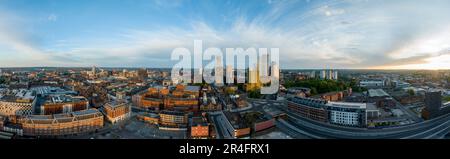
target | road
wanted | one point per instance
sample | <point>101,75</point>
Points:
<point>431,129</point>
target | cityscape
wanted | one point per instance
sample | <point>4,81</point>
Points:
<point>144,103</point>
<point>97,69</point>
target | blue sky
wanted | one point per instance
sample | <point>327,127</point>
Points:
<point>143,33</point>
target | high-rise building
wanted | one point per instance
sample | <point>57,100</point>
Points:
<point>323,74</point>
<point>229,74</point>
<point>276,70</point>
<point>219,71</point>
<point>330,75</point>
<point>335,75</point>
<point>93,70</point>
<point>433,104</point>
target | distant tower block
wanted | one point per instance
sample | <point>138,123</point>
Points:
<point>323,74</point>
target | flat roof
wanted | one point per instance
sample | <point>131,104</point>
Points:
<point>371,107</point>
<point>377,93</point>
<point>198,121</point>
<point>192,88</point>
<point>171,112</point>
<point>64,99</point>
<point>348,105</point>
<point>85,112</point>
<point>114,104</point>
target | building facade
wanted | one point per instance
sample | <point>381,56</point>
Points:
<point>347,114</point>
<point>182,98</point>
<point>63,124</point>
<point>63,104</point>
<point>339,113</point>
<point>199,127</point>
<point>116,112</point>
<point>433,104</point>
<point>372,83</point>
<point>17,102</point>
<point>173,119</point>
<point>311,109</point>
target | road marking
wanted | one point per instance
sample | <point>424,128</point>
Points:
<point>432,135</point>
<point>426,130</point>
<point>290,126</point>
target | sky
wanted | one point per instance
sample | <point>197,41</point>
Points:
<point>310,34</point>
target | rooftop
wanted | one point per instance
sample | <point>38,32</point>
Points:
<point>192,88</point>
<point>348,105</point>
<point>62,118</point>
<point>198,121</point>
<point>64,99</point>
<point>172,112</point>
<point>377,93</point>
<point>115,104</point>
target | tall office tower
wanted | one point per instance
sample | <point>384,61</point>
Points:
<point>433,104</point>
<point>335,75</point>
<point>330,75</point>
<point>93,70</point>
<point>252,74</point>
<point>219,71</point>
<point>313,74</point>
<point>276,70</point>
<point>229,74</point>
<point>323,74</point>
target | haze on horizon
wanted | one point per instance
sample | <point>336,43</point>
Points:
<point>355,34</point>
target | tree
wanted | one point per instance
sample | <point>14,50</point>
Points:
<point>446,98</point>
<point>313,91</point>
<point>254,93</point>
<point>411,92</point>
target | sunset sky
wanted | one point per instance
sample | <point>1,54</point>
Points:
<point>369,34</point>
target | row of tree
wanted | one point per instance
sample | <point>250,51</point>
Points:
<point>319,86</point>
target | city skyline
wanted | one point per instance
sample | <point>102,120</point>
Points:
<point>359,34</point>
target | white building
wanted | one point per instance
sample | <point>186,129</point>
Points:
<point>335,75</point>
<point>323,74</point>
<point>348,114</point>
<point>372,83</point>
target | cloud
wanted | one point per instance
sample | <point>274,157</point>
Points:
<point>17,43</point>
<point>52,17</point>
<point>310,34</point>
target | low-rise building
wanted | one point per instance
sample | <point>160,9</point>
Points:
<point>339,113</point>
<point>117,111</point>
<point>181,98</point>
<point>59,104</point>
<point>347,114</point>
<point>14,128</point>
<point>372,83</point>
<point>17,103</point>
<point>372,111</point>
<point>149,118</point>
<point>199,127</point>
<point>309,108</point>
<point>234,125</point>
<point>333,96</point>
<point>173,119</point>
<point>63,124</point>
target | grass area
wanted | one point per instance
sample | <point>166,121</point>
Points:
<point>446,99</point>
